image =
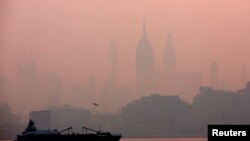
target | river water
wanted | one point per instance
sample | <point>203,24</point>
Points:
<point>156,139</point>
<point>163,139</point>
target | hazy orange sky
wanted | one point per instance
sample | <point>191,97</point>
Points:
<point>72,38</point>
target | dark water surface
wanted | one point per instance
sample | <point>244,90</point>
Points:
<point>157,139</point>
<point>163,139</point>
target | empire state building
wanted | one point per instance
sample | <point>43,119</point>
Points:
<point>144,65</point>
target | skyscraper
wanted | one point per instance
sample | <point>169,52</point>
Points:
<point>27,77</point>
<point>169,58</point>
<point>27,85</point>
<point>144,65</point>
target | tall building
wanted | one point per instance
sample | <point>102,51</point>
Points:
<point>27,74</point>
<point>243,76</point>
<point>169,57</point>
<point>144,65</point>
<point>171,81</point>
<point>214,74</point>
<point>27,86</point>
<point>113,66</point>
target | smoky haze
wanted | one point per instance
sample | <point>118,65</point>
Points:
<point>60,52</point>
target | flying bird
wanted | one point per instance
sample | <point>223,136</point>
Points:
<point>95,104</point>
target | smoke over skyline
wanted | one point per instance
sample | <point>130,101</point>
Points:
<point>72,38</point>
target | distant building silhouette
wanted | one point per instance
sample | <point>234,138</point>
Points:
<point>119,95</point>
<point>158,115</point>
<point>10,124</point>
<point>170,80</point>
<point>169,56</point>
<point>144,65</point>
<point>67,116</point>
<point>27,74</point>
<point>214,79</point>
<point>27,84</point>
<point>155,115</point>
<point>212,106</point>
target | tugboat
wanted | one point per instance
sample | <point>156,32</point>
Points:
<point>31,133</point>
